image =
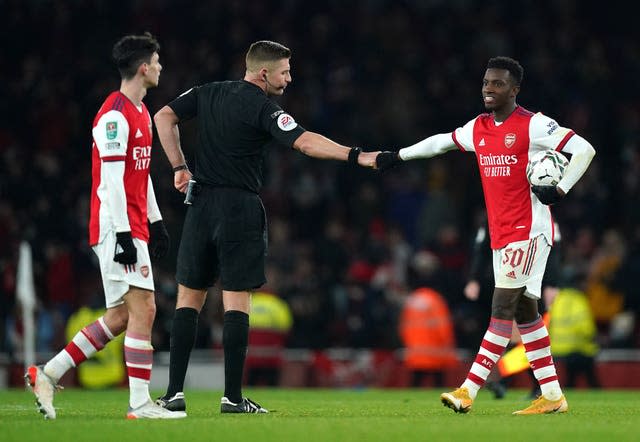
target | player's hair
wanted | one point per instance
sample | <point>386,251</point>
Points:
<point>511,65</point>
<point>265,51</point>
<point>133,50</point>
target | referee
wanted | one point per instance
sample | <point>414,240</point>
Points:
<point>224,232</point>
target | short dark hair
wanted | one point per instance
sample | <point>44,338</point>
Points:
<point>511,65</point>
<point>131,51</point>
<point>266,51</point>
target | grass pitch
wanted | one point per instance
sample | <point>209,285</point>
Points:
<point>324,415</point>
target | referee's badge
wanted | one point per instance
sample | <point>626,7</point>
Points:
<point>286,122</point>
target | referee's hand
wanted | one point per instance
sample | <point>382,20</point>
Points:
<point>368,159</point>
<point>181,180</point>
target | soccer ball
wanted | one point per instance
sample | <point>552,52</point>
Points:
<point>546,168</point>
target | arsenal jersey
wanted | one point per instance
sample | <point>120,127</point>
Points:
<point>121,132</point>
<point>502,152</point>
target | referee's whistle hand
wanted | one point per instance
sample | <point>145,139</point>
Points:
<point>181,180</point>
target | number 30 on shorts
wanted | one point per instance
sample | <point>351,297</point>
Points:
<point>513,257</point>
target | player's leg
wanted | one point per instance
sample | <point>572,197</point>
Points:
<point>535,336</point>
<point>494,342</point>
<point>133,284</point>
<point>91,339</point>
<point>138,355</point>
<point>511,266</point>
<point>138,352</point>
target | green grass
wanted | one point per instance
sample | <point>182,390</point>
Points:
<point>325,415</point>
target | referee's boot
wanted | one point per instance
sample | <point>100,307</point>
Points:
<point>246,405</point>
<point>174,403</point>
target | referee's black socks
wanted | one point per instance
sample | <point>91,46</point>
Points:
<point>183,337</point>
<point>235,340</point>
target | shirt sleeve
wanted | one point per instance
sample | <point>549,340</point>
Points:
<point>546,134</point>
<point>113,175</point>
<point>582,152</point>
<point>463,137</point>
<point>280,124</point>
<point>153,210</point>
<point>186,105</point>
<point>111,134</point>
<point>429,147</point>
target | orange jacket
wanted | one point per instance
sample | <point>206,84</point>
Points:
<point>426,331</point>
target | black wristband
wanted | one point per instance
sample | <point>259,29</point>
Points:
<point>354,153</point>
<point>180,167</point>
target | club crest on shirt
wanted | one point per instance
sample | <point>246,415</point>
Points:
<point>112,130</point>
<point>144,271</point>
<point>509,140</point>
<point>286,122</point>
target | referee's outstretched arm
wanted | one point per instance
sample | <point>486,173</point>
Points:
<point>319,146</point>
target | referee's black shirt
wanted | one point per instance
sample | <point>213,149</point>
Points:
<point>235,122</point>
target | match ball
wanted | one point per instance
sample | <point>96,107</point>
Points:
<point>546,168</point>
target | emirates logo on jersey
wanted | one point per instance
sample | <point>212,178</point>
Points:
<point>509,140</point>
<point>144,271</point>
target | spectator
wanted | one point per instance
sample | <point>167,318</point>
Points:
<point>573,331</point>
<point>427,334</point>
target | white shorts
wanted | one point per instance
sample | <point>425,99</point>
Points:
<point>116,277</point>
<point>522,264</point>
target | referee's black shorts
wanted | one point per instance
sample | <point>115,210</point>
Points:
<point>224,236</point>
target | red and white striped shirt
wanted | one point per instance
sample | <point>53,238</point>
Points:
<point>121,132</point>
<point>503,151</point>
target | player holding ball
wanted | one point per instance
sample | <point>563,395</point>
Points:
<point>520,223</point>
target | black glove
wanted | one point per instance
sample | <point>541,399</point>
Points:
<point>547,194</point>
<point>158,240</point>
<point>386,160</point>
<point>125,252</point>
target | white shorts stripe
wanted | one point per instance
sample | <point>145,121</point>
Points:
<point>531,256</point>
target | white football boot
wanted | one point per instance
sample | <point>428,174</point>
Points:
<point>44,388</point>
<point>153,411</point>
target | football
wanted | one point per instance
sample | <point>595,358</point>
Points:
<point>546,168</point>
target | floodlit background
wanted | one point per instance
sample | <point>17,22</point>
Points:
<point>346,246</point>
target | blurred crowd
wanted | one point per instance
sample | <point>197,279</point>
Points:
<point>346,246</point>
